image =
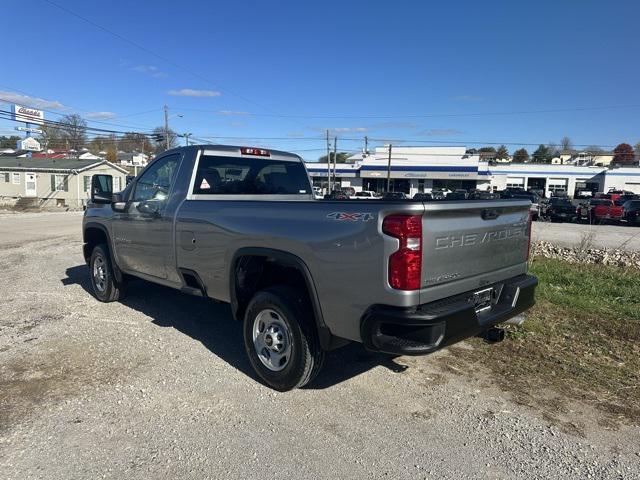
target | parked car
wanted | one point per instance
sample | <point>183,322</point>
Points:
<point>307,276</point>
<point>611,195</point>
<point>483,195</point>
<point>394,196</point>
<point>584,194</point>
<point>336,195</point>
<point>458,194</point>
<point>631,212</point>
<point>607,211</point>
<point>365,195</point>
<point>511,192</point>
<point>538,191</point>
<point>627,196</point>
<point>559,193</point>
<point>423,197</point>
<point>440,193</point>
<point>585,210</point>
<point>558,209</point>
<point>534,209</point>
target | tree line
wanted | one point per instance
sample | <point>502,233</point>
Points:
<point>623,154</point>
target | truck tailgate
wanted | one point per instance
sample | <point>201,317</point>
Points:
<point>473,240</point>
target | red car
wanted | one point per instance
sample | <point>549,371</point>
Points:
<point>608,210</point>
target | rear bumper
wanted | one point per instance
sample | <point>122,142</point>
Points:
<point>426,328</point>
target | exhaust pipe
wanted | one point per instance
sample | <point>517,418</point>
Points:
<point>517,320</point>
<point>493,335</point>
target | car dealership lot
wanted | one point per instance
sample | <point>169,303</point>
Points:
<point>158,386</point>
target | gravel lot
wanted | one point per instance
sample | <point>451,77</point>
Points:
<point>621,237</point>
<point>158,387</point>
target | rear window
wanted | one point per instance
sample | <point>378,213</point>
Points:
<point>600,202</point>
<point>250,176</point>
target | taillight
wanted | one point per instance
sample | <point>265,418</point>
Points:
<point>258,152</point>
<point>529,235</point>
<point>405,264</point>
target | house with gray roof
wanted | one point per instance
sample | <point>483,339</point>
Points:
<point>53,181</point>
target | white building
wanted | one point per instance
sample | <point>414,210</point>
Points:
<point>418,169</point>
<point>413,170</point>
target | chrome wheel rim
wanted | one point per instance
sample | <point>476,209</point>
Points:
<point>99,273</point>
<point>272,340</point>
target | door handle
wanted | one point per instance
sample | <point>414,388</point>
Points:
<point>489,214</point>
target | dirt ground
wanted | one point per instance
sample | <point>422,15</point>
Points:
<point>158,386</point>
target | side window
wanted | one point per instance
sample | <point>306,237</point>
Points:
<point>155,183</point>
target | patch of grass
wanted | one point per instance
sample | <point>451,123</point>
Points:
<point>581,342</point>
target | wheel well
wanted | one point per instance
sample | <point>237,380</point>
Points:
<point>253,273</point>
<point>93,236</point>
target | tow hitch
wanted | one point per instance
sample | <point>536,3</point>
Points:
<point>493,335</point>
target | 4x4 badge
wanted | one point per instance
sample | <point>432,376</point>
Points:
<point>351,216</point>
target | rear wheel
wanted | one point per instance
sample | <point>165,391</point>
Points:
<point>280,338</point>
<point>105,286</point>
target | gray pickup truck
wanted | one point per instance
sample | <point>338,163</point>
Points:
<point>241,225</point>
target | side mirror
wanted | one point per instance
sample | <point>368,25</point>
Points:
<point>101,188</point>
<point>118,203</point>
<point>149,207</point>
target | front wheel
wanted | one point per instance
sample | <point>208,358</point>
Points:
<point>280,338</point>
<point>105,286</point>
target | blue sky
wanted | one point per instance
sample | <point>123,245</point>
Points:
<point>438,72</point>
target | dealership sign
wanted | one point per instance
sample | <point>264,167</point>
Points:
<point>28,115</point>
<point>30,144</point>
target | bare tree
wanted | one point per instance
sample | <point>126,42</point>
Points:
<point>73,130</point>
<point>566,145</point>
<point>51,137</point>
<point>133,141</point>
<point>99,144</point>
<point>159,140</point>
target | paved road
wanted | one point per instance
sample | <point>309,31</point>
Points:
<point>158,386</point>
<point>595,236</point>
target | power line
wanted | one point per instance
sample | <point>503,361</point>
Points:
<point>7,115</point>
<point>412,115</point>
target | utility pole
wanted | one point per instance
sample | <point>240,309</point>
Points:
<point>328,165</point>
<point>389,170</point>
<point>335,148</point>
<point>166,127</point>
<point>186,138</point>
<point>366,145</point>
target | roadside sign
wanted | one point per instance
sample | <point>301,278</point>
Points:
<point>27,114</point>
<point>25,129</point>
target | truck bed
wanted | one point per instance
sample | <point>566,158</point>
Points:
<point>342,244</point>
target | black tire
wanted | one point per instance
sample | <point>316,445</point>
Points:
<point>305,358</point>
<point>105,286</point>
